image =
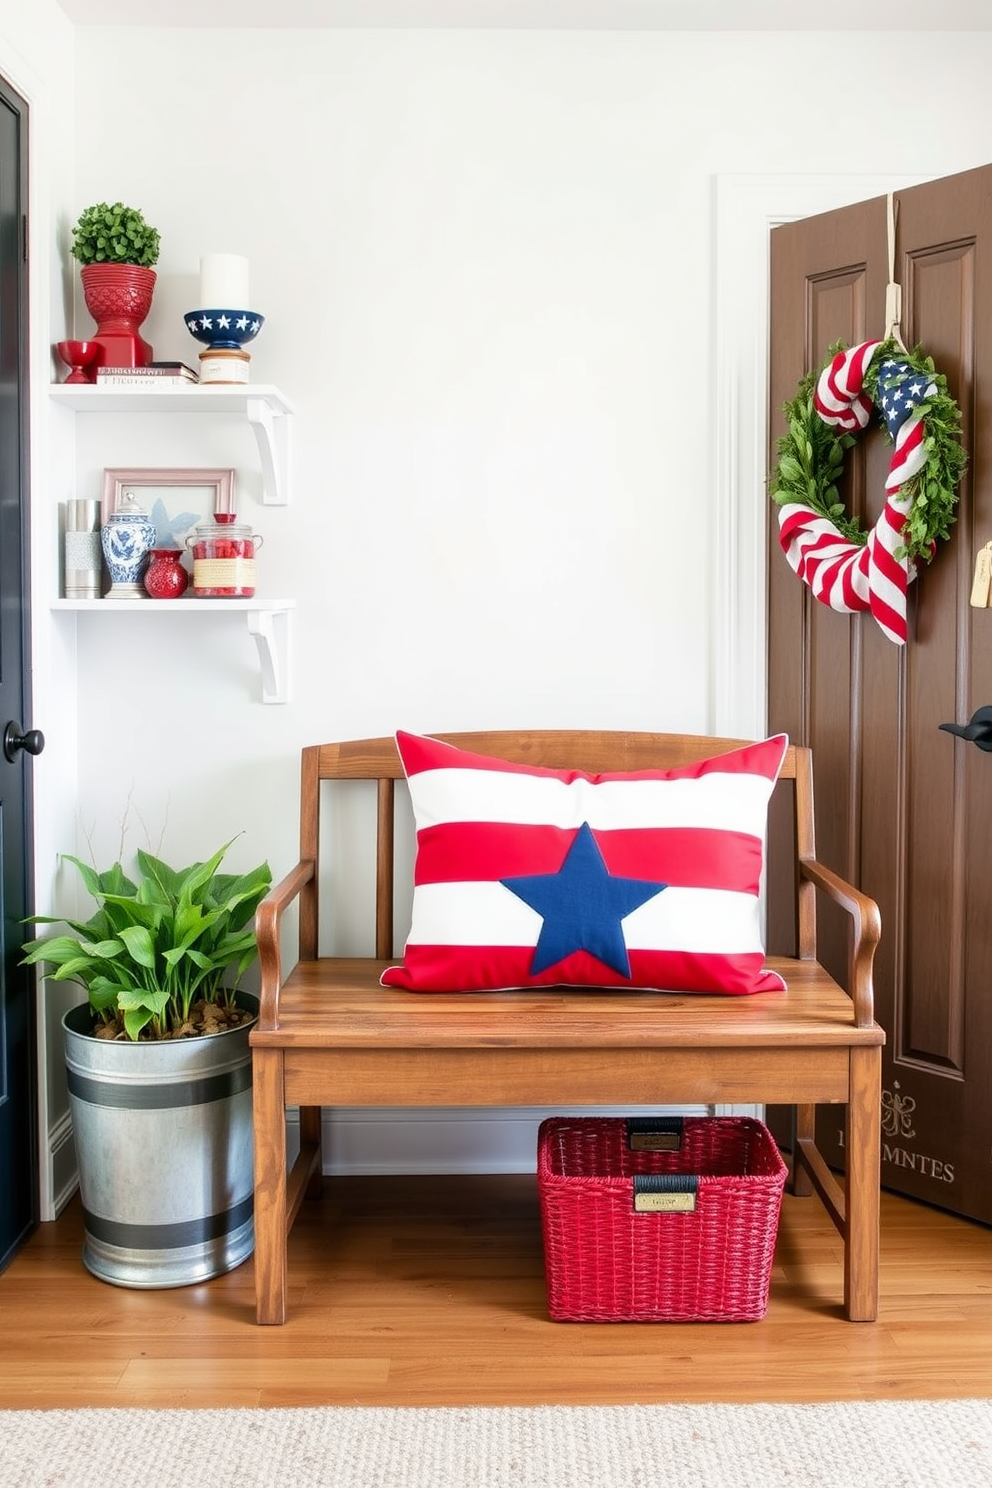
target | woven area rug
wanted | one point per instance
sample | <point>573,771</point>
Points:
<point>886,1444</point>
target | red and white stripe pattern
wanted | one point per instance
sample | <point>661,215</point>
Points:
<point>839,397</point>
<point>845,575</point>
<point>698,832</point>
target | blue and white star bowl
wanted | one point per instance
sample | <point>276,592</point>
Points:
<point>227,329</point>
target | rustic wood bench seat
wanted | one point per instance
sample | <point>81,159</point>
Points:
<point>329,1034</point>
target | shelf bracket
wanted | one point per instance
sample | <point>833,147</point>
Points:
<point>273,659</point>
<point>271,432</point>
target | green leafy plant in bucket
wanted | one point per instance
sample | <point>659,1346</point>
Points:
<point>114,233</point>
<point>156,957</point>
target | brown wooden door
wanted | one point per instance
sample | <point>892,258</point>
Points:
<point>903,809</point>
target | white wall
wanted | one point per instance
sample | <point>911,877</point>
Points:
<point>486,265</point>
<point>486,262</point>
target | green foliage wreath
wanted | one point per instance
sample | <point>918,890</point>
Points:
<point>811,456</point>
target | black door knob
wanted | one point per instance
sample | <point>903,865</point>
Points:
<point>978,730</point>
<point>13,740</point>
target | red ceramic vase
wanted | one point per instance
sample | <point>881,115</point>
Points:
<point>119,297</point>
<point>165,577</point>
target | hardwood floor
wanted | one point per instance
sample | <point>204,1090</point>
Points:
<point>430,1291</point>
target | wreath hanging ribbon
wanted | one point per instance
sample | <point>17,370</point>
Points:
<point>846,568</point>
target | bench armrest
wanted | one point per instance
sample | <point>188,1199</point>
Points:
<point>267,923</point>
<point>867,928</point>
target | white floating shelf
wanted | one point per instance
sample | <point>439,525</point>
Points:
<point>262,615</point>
<point>199,397</point>
<point>263,405</point>
<point>185,602</point>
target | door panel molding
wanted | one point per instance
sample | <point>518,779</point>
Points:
<point>939,312</point>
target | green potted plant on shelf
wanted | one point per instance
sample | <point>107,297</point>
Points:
<point>159,1066</point>
<point>114,234</point>
<point>117,248</point>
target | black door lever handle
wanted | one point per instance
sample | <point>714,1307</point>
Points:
<point>977,731</point>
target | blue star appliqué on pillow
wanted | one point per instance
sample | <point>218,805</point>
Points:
<point>582,906</point>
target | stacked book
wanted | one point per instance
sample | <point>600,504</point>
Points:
<point>155,375</point>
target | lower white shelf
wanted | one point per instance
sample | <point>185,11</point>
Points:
<point>271,638</point>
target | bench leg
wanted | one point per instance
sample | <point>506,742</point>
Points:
<point>310,1136</point>
<point>270,1186</point>
<point>804,1118</point>
<point>864,1136</point>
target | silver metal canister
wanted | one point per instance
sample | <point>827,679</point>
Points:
<point>83,554</point>
<point>163,1135</point>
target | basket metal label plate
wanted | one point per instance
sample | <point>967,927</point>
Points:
<point>660,1141</point>
<point>664,1203</point>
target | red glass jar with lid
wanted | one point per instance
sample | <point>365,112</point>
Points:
<point>224,559</point>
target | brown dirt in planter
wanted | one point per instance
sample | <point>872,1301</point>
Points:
<point>205,1018</point>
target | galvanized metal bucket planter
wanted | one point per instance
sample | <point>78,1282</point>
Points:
<point>163,1136</point>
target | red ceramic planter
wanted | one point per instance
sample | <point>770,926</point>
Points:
<point>119,297</point>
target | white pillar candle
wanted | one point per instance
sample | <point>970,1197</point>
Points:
<point>224,282</point>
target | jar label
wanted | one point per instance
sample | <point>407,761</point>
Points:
<point>223,369</point>
<point>229,575</point>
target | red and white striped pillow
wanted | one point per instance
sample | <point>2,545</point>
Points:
<point>533,877</point>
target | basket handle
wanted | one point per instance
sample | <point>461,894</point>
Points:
<point>654,1133</point>
<point>665,1193</point>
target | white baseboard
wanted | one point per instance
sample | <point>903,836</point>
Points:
<point>62,1164</point>
<point>363,1140</point>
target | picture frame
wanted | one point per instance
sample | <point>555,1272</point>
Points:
<point>177,500</point>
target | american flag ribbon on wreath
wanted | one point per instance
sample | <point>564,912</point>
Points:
<point>848,576</point>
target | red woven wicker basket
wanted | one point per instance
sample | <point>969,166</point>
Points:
<point>637,1233</point>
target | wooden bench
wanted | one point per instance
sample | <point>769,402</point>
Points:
<point>329,1035</point>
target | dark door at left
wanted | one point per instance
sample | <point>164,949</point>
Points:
<point>18,1160</point>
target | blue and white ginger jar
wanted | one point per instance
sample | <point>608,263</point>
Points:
<point>127,539</point>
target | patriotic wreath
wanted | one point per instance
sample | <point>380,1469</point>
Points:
<point>845,567</point>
